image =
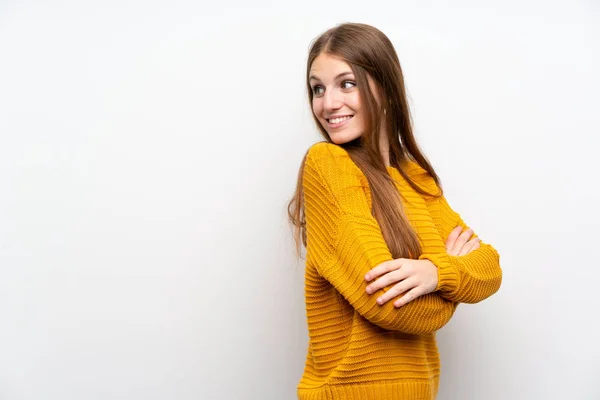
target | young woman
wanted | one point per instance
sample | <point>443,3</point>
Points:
<point>387,259</point>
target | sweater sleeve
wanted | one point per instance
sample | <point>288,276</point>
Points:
<point>344,242</point>
<point>466,279</point>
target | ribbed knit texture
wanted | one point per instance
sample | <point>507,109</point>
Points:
<point>358,349</point>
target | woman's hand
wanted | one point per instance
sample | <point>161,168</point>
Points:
<point>458,244</point>
<point>415,278</point>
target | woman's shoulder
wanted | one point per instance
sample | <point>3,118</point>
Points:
<point>330,157</point>
<point>419,175</point>
<point>414,170</point>
<point>321,150</point>
<point>333,159</point>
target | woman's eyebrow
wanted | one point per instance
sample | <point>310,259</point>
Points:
<point>313,77</point>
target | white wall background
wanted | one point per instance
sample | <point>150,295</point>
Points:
<point>148,150</point>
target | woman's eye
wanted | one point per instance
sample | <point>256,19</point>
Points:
<point>317,89</point>
<point>348,84</point>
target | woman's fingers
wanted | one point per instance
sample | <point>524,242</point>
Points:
<point>465,249</point>
<point>409,296</point>
<point>462,239</point>
<point>387,279</point>
<point>397,290</point>
<point>460,244</point>
<point>410,279</point>
<point>469,246</point>
<point>452,239</point>
<point>383,268</point>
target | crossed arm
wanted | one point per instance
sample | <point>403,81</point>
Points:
<point>345,243</point>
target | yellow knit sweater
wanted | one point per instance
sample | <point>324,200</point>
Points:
<point>358,349</point>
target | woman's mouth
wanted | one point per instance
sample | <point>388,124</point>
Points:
<point>338,122</point>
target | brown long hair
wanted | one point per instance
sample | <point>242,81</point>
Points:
<point>372,57</point>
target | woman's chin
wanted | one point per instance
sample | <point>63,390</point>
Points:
<point>338,138</point>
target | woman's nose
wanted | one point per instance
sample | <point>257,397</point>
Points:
<point>332,100</point>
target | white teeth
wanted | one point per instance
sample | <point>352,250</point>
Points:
<point>338,120</point>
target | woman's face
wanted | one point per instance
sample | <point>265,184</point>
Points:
<point>336,99</point>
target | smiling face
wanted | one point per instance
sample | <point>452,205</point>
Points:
<point>336,99</point>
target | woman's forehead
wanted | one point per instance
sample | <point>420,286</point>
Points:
<point>327,65</point>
